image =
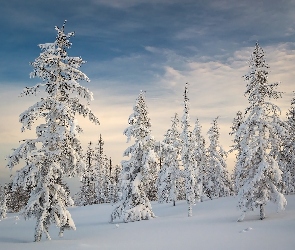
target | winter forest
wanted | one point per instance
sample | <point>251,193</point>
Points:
<point>183,168</point>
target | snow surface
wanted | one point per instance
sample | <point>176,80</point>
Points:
<point>213,226</point>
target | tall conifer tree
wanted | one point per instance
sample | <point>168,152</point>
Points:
<point>201,160</point>
<point>237,122</point>
<point>56,152</point>
<point>134,204</point>
<point>102,170</point>
<point>218,177</point>
<point>258,176</point>
<point>188,158</point>
<point>287,162</point>
<point>87,194</point>
<point>170,150</point>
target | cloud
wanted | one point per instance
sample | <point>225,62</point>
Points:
<point>156,46</point>
<point>217,87</point>
<point>132,3</point>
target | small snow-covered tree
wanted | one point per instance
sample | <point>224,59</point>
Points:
<point>220,184</point>
<point>3,202</point>
<point>134,204</point>
<point>149,181</point>
<point>190,170</point>
<point>170,151</point>
<point>116,183</point>
<point>87,194</point>
<point>287,161</point>
<point>109,182</point>
<point>96,182</point>
<point>56,152</point>
<point>237,122</point>
<point>258,176</point>
<point>102,172</point>
<point>201,160</point>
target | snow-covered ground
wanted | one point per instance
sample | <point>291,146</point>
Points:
<point>213,226</point>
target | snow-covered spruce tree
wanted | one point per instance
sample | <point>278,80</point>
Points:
<point>237,122</point>
<point>287,161</point>
<point>180,186</point>
<point>107,180</point>
<point>110,191</point>
<point>102,172</point>
<point>170,151</point>
<point>219,182</point>
<point>95,187</point>
<point>134,204</point>
<point>87,194</point>
<point>149,181</point>
<point>115,182</point>
<point>56,152</point>
<point>201,160</point>
<point>257,172</point>
<point>190,170</point>
<point>18,198</point>
<point>3,202</point>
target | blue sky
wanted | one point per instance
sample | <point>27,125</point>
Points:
<point>154,45</point>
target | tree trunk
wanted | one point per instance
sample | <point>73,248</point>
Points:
<point>190,210</point>
<point>38,232</point>
<point>262,213</point>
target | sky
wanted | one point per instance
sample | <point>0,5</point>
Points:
<point>151,45</point>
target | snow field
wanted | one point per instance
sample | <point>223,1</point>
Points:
<point>213,226</point>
